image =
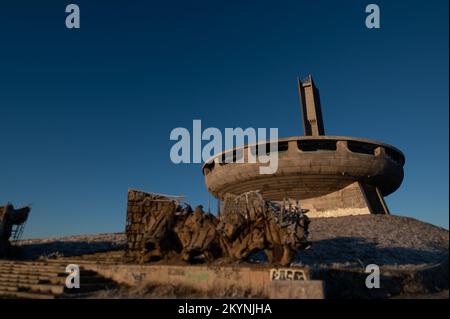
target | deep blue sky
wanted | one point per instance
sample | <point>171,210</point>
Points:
<point>86,114</point>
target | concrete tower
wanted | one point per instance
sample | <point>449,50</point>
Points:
<point>310,107</point>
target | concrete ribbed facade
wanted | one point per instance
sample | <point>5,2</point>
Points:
<point>329,175</point>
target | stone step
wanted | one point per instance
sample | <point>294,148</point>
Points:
<point>78,261</point>
<point>24,295</point>
<point>53,288</point>
<point>42,267</point>
<point>58,267</point>
<point>42,272</point>
<point>8,288</point>
<point>32,277</point>
<point>44,288</point>
<point>53,280</point>
<point>36,271</point>
<point>91,262</point>
<point>50,264</point>
<point>25,263</point>
<point>20,279</point>
<point>33,272</point>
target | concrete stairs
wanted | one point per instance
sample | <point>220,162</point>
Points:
<point>44,280</point>
<point>109,257</point>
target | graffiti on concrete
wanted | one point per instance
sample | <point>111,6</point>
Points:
<point>288,274</point>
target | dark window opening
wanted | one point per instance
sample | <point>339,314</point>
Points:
<point>316,145</point>
<point>362,147</point>
<point>224,159</point>
<point>230,157</point>
<point>283,147</point>
<point>259,150</point>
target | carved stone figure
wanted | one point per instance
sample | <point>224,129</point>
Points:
<point>159,228</point>
<point>250,224</point>
<point>197,234</point>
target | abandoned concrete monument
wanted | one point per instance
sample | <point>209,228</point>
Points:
<point>317,176</point>
<point>329,175</point>
<point>11,225</point>
<point>256,246</point>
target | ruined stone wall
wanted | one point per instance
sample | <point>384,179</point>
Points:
<point>350,200</point>
<point>139,212</point>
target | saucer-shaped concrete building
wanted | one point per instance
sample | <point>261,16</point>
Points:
<point>328,175</point>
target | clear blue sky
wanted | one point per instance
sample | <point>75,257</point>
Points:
<point>86,114</point>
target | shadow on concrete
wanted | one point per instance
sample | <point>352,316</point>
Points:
<point>341,262</point>
<point>56,249</point>
<point>351,250</point>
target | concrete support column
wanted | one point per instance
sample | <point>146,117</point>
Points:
<point>342,146</point>
<point>293,148</point>
<point>380,152</point>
